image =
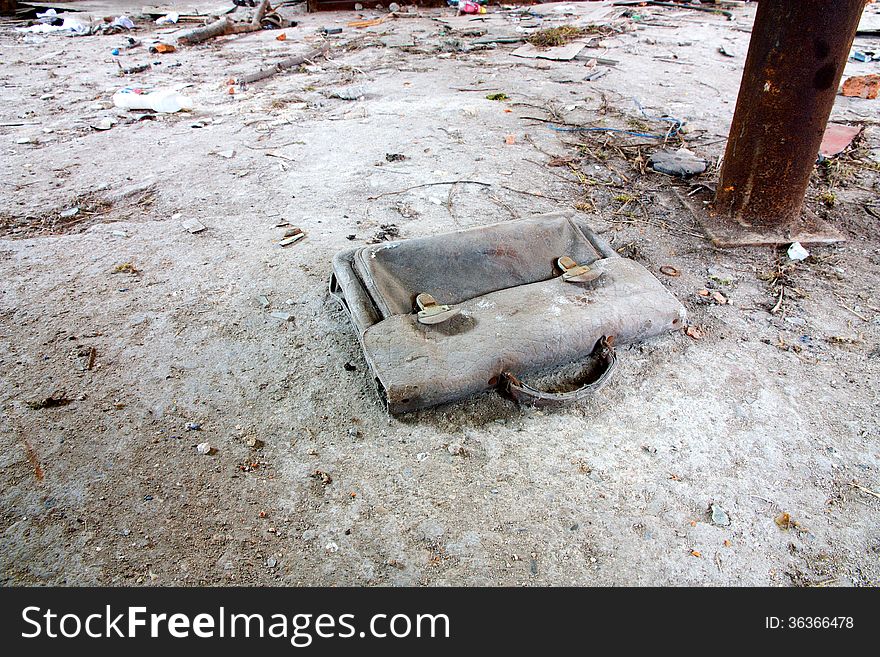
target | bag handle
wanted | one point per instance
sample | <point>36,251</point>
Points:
<point>523,393</point>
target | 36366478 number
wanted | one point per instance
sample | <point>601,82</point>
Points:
<point>808,622</point>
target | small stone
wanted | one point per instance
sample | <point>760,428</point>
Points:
<point>283,316</point>
<point>719,516</point>
<point>354,92</point>
<point>682,163</point>
<point>393,7</point>
<point>271,562</point>
<point>104,124</point>
<point>68,213</point>
<point>204,448</point>
<point>193,426</point>
<point>354,433</point>
<point>254,443</point>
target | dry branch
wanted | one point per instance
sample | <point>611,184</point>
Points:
<point>283,65</point>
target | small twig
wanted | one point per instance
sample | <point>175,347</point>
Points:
<point>867,491</point>
<point>775,309</point>
<point>857,314</point>
<point>280,156</point>
<point>447,182</point>
<point>268,148</point>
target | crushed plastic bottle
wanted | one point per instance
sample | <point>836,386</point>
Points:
<point>470,7</point>
<point>166,101</point>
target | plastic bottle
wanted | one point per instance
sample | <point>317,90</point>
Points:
<point>160,100</point>
<point>470,7</point>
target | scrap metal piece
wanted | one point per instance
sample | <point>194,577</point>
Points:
<point>430,312</point>
<point>572,272</point>
<point>795,61</point>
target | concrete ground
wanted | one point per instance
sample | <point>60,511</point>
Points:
<point>766,409</point>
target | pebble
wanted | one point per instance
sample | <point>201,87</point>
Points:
<point>681,163</point>
<point>193,426</point>
<point>719,516</point>
<point>284,317</point>
<point>271,562</point>
<point>204,448</point>
<point>68,213</point>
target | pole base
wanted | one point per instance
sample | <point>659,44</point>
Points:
<point>724,231</point>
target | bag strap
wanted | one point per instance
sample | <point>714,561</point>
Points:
<point>603,354</point>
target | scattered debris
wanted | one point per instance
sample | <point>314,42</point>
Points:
<point>292,236</point>
<point>386,233</point>
<point>866,56</point>
<point>669,270</point>
<point>126,268</point>
<point>713,296</point>
<point>52,401</point>
<point>837,138</point>
<point>862,86</point>
<point>204,448</point>
<point>867,491</point>
<point>395,157</point>
<point>556,36</point>
<point>784,521</point>
<point>322,477</point>
<point>87,357</point>
<point>283,316</point>
<point>497,96</point>
<point>559,53</point>
<point>223,26</point>
<point>682,163</point>
<point>354,92</point>
<point>254,443</point>
<point>104,124</point>
<point>797,252</point>
<point>193,226</point>
<point>165,101</point>
<point>719,516</point>
<point>695,332</point>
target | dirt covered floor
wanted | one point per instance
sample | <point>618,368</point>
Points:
<point>743,451</point>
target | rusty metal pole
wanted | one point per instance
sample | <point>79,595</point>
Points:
<point>795,61</point>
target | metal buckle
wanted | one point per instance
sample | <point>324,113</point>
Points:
<point>430,312</point>
<point>572,272</point>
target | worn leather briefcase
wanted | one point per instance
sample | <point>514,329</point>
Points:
<point>444,317</point>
